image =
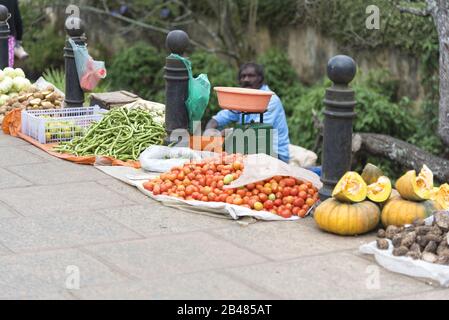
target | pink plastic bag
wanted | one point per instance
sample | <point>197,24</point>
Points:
<point>92,76</point>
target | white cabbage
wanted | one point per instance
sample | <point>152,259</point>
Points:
<point>9,72</point>
<point>6,85</point>
<point>19,73</point>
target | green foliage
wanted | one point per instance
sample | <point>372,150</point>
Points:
<point>375,114</point>
<point>281,77</point>
<point>55,77</point>
<point>138,69</point>
<point>45,47</point>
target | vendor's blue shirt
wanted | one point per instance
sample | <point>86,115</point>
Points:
<point>275,115</point>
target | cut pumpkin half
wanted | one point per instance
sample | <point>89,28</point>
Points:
<point>351,188</point>
<point>380,191</point>
<point>371,174</point>
<point>416,188</point>
<point>442,197</point>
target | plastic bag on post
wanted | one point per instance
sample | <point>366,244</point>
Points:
<point>90,72</point>
<point>199,94</point>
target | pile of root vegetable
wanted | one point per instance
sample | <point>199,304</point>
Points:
<point>419,241</point>
<point>122,133</point>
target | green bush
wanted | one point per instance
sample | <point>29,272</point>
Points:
<point>281,77</point>
<point>138,69</point>
<point>375,114</point>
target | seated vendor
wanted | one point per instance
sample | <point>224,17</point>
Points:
<point>251,76</point>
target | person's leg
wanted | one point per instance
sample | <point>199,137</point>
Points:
<point>19,52</point>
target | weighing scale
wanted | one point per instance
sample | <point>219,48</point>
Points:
<point>250,138</point>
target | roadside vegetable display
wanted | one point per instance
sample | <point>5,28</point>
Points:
<point>122,133</point>
<point>207,181</point>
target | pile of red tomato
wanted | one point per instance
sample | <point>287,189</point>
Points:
<point>205,181</point>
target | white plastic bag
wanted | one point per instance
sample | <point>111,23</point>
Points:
<point>162,159</point>
<point>302,157</point>
<point>259,167</point>
<point>406,265</point>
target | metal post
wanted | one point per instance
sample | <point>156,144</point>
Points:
<point>339,115</point>
<point>74,95</point>
<point>176,84</point>
<point>4,37</point>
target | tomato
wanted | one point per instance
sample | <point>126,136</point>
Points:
<point>172,177</point>
<point>205,199</point>
<point>286,191</point>
<point>212,197</point>
<point>267,190</point>
<point>310,202</point>
<point>274,187</point>
<point>277,178</point>
<point>237,165</point>
<point>294,191</point>
<point>299,202</point>
<point>157,190</point>
<point>238,201</point>
<point>246,200</point>
<point>190,190</point>
<point>181,176</point>
<point>303,187</point>
<point>228,179</point>
<point>288,200</point>
<point>148,186</point>
<point>278,202</point>
<point>252,202</point>
<point>279,195</point>
<point>290,182</point>
<point>222,197</point>
<point>241,193</point>
<point>296,211</point>
<point>263,197</point>
<point>256,192</point>
<point>268,205</point>
<point>306,208</point>
<point>251,186</point>
<point>206,190</point>
<point>272,197</point>
<point>289,206</point>
<point>302,213</point>
<point>230,199</point>
<point>303,194</point>
<point>285,213</point>
<point>258,206</point>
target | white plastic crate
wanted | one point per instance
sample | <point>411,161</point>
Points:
<point>56,125</point>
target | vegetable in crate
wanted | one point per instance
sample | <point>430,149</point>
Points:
<point>122,133</point>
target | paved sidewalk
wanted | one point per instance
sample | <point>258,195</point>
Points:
<point>58,220</point>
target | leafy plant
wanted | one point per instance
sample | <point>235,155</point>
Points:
<point>138,69</point>
<point>57,78</point>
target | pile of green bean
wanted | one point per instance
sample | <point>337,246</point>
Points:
<point>123,134</point>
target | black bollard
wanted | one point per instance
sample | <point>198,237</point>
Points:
<point>176,84</point>
<point>74,95</point>
<point>4,37</point>
<point>339,115</point>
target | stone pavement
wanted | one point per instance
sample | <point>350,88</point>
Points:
<point>59,221</point>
